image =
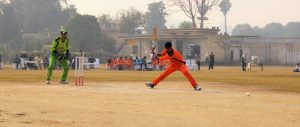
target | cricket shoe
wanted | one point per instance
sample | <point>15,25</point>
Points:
<point>48,82</point>
<point>150,85</point>
<point>63,82</point>
<point>197,88</point>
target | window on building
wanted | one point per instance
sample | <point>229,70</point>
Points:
<point>195,50</point>
<point>134,49</point>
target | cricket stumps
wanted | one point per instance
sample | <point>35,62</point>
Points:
<point>79,78</point>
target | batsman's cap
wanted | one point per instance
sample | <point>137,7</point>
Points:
<point>63,30</point>
<point>168,44</point>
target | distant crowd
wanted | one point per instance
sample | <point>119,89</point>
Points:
<point>25,62</point>
<point>31,62</point>
<point>128,63</point>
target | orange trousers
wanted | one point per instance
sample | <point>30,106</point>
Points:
<point>172,68</point>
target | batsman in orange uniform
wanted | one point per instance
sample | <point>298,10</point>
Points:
<point>176,63</point>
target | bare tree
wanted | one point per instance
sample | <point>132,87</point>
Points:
<point>203,8</point>
<point>225,6</point>
<point>107,22</point>
<point>2,5</point>
<point>65,2</point>
<point>188,7</point>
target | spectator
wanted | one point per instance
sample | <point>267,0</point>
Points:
<point>130,63</point>
<point>39,62</point>
<point>109,63</point>
<point>144,62</point>
<point>120,63</point>
<point>244,63</point>
<point>197,60</point>
<point>30,65</point>
<point>24,59</point>
<point>125,63</point>
<point>297,69</point>
<point>154,63</point>
<point>46,62</point>
<point>24,55</point>
<point>17,61</point>
<point>137,62</point>
<point>114,63</point>
<point>91,60</point>
<point>211,61</point>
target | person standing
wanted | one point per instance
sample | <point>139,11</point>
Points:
<point>46,62</point>
<point>17,61</point>
<point>197,60</point>
<point>39,61</point>
<point>144,63</point>
<point>176,63</point>
<point>211,61</point>
<point>59,52</point>
<point>108,63</point>
<point>244,63</point>
<point>30,65</point>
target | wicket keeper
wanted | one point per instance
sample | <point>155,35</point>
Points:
<point>59,53</point>
<point>176,63</point>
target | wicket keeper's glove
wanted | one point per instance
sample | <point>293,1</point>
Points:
<point>57,55</point>
<point>67,54</point>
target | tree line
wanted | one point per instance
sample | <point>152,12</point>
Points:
<point>31,25</point>
<point>23,22</point>
<point>271,30</point>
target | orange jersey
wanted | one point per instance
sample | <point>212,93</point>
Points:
<point>120,62</point>
<point>130,61</point>
<point>175,59</point>
<point>154,62</point>
<point>114,61</point>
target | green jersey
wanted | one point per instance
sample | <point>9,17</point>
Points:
<point>60,46</point>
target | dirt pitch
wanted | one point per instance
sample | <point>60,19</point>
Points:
<point>108,100</point>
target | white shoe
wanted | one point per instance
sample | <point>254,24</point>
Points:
<point>197,88</point>
<point>48,82</point>
<point>149,84</point>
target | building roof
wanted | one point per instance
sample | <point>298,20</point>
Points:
<point>165,34</point>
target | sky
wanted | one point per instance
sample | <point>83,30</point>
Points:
<point>254,12</point>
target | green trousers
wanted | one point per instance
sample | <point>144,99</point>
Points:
<point>63,64</point>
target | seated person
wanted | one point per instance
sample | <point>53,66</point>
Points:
<point>108,63</point>
<point>91,60</point>
<point>137,63</point>
<point>114,63</point>
<point>125,63</point>
<point>120,63</point>
<point>297,69</point>
<point>130,63</point>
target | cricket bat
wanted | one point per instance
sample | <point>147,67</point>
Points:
<point>154,39</point>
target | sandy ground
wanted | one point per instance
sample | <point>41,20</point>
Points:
<point>131,104</point>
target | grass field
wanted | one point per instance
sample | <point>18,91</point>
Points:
<point>121,99</point>
<point>272,78</point>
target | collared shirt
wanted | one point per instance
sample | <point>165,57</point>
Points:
<point>60,46</point>
<point>175,59</point>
